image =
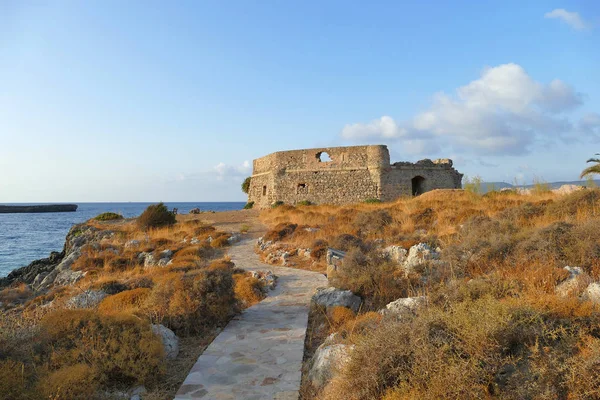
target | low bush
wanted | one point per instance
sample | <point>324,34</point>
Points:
<point>319,249</point>
<point>192,303</point>
<point>128,301</point>
<point>279,232</point>
<point>373,221</point>
<point>120,349</point>
<point>346,242</point>
<point>70,382</point>
<point>277,204</point>
<point>248,290</point>
<point>108,216</point>
<point>487,348</point>
<point>249,205</point>
<point>14,380</point>
<point>156,216</point>
<point>220,241</point>
<point>372,201</point>
<point>305,203</point>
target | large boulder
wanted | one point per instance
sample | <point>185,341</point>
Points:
<point>332,297</point>
<point>326,362</point>
<point>169,340</point>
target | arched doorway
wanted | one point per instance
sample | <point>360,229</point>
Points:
<point>418,185</point>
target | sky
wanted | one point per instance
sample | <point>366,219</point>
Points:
<point>171,101</point>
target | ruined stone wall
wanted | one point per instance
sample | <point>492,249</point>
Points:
<point>404,179</point>
<point>352,174</point>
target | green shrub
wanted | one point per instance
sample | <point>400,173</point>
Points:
<point>305,203</point>
<point>246,185</point>
<point>277,204</point>
<point>156,216</point>
<point>249,205</point>
<point>372,201</point>
<point>108,216</point>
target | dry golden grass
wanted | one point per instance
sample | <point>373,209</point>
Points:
<point>494,326</point>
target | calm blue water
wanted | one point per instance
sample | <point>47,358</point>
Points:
<point>28,237</point>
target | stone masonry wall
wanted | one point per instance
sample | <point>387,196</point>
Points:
<point>350,175</point>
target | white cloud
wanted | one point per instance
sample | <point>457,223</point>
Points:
<point>504,111</point>
<point>384,127</point>
<point>573,19</point>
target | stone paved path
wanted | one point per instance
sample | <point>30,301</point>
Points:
<point>259,353</point>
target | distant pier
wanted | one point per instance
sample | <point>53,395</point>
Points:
<point>43,208</point>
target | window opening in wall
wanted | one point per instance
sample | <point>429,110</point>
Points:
<point>323,156</point>
<point>302,188</point>
<point>264,190</point>
<point>418,185</point>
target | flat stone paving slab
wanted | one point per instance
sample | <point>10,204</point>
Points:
<point>259,353</point>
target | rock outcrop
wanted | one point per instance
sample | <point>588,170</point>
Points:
<point>56,269</point>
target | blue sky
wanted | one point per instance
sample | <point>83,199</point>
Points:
<point>148,101</point>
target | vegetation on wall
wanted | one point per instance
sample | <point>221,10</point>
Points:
<point>246,185</point>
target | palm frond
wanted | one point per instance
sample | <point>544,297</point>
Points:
<point>596,160</point>
<point>594,169</point>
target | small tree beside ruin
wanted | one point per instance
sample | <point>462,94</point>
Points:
<point>246,185</point>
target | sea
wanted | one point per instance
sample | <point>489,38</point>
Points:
<point>28,237</point>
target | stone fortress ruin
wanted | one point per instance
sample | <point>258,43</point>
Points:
<point>342,175</point>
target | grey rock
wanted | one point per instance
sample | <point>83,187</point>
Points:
<point>137,392</point>
<point>326,362</point>
<point>169,340</point>
<point>87,299</point>
<point>396,254</point>
<point>194,241</point>
<point>592,293</point>
<point>408,305</point>
<point>166,254</point>
<point>132,243</point>
<point>332,297</point>
<point>575,282</point>
<point>418,255</point>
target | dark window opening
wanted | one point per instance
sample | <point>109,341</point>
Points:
<point>323,156</point>
<point>418,185</point>
<point>264,190</point>
<point>302,188</point>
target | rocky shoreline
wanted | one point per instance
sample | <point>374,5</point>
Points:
<point>41,274</point>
